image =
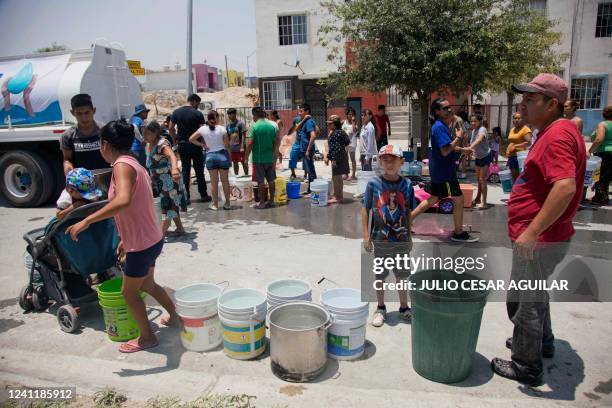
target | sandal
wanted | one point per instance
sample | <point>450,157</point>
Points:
<point>227,206</point>
<point>132,346</point>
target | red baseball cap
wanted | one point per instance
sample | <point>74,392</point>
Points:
<point>550,85</point>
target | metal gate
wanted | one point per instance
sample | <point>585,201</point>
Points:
<point>394,98</point>
<point>314,96</point>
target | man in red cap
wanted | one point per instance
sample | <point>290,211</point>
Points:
<point>543,203</point>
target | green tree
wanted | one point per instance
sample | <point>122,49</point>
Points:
<point>426,46</point>
<point>53,47</point>
<point>524,52</point>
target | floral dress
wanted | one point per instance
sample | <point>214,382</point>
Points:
<point>172,193</point>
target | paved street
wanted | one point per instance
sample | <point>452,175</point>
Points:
<point>249,248</point>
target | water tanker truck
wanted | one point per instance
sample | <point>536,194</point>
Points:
<point>35,111</point>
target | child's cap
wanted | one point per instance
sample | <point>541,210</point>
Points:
<point>82,180</point>
<point>393,150</point>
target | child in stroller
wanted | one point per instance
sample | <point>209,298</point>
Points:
<point>80,189</point>
<point>61,268</point>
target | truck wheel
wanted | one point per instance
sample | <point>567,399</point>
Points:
<point>26,179</point>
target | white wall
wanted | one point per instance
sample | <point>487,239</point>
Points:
<point>166,81</point>
<point>271,56</point>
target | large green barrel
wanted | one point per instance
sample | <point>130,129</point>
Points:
<point>445,326</point>
<point>120,325</point>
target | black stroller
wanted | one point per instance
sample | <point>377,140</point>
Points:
<point>60,269</point>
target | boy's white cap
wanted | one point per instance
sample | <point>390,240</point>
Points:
<point>393,150</point>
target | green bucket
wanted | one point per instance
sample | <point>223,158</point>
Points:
<point>445,326</point>
<point>120,325</point>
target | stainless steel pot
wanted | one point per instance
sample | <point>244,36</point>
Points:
<point>298,340</point>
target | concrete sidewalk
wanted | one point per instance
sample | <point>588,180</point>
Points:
<point>249,248</point>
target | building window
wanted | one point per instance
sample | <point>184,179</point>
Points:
<point>292,30</point>
<point>587,91</point>
<point>603,26</point>
<point>538,5</point>
<point>277,95</point>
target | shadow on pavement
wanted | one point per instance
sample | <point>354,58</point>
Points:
<point>481,373</point>
<point>563,374</point>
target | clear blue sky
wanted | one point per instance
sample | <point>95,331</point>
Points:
<point>153,31</point>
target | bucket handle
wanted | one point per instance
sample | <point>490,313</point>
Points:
<point>223,288</point>
<point>326,325</point>
<point>327,279</point>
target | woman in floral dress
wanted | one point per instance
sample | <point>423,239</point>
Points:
<point>165,177</point>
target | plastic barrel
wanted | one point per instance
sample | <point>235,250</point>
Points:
<point>346,336</point>
<point>119,322</point>
<point>242,313</point>
<point>445,326</point>
<point>505,176</point>
<point>293,190</point>
<point>197,306</point>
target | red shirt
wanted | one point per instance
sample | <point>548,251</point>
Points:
<point>381,124</point>
<point>558,153</point>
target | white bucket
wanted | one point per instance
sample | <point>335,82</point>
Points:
<point>319,194</point>
<point>242,313</point>
<point>363,178</point>
<point>287,290</point>
<point>521,157</point>
<point>158,211</point>
<point>197,307</point>
<point>346,336</point>
<point>242,189</point>
<point>593,167</point>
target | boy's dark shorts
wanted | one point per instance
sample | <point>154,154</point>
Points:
<point>389,250</point>
<point>265,172</point>
<point>446,189</point>
<point>137,264</point>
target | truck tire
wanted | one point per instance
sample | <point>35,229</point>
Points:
<point>26,179</point>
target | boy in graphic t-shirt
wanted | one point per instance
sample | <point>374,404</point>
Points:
<point>387,203</point>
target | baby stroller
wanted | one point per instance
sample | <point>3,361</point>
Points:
<point>60,269</point>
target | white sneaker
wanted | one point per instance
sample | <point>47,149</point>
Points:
<point>213,207</point>
<point>380,315</point>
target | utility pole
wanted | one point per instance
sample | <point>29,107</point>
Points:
<point>227,73</point>
<point>189,36</point>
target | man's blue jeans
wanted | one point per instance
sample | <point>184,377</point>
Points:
<point>308,164</point>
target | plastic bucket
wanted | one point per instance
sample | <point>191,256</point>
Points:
<point>118,320</point>
<point>468,192</point>
<point>346,336</point>
<point>593,167</point>
<point>157,206</point>
<point>242,189</point>
<point>363,178</point>
<point>293,190</point>
<point>242,313</point>
<point>445,326</point>
<point>280,191</point>
<point>505,176</point>
<point>287,290</point>
<point>318,197</point>
<point>197,307</point>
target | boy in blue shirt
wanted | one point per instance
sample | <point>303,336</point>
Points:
<point>385,218</point>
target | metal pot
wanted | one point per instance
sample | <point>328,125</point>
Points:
<point>298,340</point>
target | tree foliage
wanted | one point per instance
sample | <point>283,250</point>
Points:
<point>53,47</point>
<point>425,46</point>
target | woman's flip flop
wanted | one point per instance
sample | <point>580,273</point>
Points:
<point>132,346</point>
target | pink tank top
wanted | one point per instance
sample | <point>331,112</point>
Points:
<point>138,225</point>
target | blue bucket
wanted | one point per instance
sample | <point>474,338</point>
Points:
<point>293,190</point>
<point>408,156</point>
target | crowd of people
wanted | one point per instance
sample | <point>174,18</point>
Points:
<point>544,200</point>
